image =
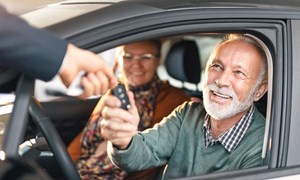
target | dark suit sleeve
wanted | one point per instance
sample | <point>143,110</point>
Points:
<point>34,52</point>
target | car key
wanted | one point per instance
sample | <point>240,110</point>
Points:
<point>120,92</point>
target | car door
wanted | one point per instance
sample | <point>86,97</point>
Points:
<point>276,31</point>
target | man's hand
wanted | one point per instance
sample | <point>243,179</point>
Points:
<point>99,76</point>
<point>119,125</point>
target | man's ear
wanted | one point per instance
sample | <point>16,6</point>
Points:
<point>263,88</point>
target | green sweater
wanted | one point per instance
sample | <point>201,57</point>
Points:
<point>179,142</point>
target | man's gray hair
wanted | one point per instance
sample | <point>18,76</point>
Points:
<point>260,50</point>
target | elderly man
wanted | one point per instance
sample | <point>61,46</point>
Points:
<point>224,134</point>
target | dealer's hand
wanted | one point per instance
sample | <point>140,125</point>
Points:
<point>99,76</point>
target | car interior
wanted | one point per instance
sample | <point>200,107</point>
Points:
<point>183,62</point>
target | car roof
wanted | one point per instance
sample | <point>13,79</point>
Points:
<point>94,13</point>
<point>173,4</point>
<point>54,13</point>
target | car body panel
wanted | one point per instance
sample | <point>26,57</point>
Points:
<point>293,127</point>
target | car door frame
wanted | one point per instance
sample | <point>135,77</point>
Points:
<point>174,22</point>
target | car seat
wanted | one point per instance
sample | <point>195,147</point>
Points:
<point>261,104</point>
<point>183,63</point>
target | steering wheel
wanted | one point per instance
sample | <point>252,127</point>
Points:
<point>17,125</point>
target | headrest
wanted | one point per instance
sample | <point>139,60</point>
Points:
<point>183,62</point>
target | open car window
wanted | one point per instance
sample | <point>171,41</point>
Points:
<point>205,42</point>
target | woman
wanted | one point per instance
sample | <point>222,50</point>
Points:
<point>154,98</point>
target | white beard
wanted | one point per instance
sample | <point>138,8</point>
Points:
<point>220,112</point>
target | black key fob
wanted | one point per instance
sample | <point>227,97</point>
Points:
<point>120,92</point>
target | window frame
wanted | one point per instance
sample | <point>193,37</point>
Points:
<point>275,31</point>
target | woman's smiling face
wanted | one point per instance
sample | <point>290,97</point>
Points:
<point>140,61</point>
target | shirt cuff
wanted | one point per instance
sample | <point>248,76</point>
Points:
<point>63,64</point>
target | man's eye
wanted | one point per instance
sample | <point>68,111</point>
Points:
<point>216,67</point>
<point>241,74</point>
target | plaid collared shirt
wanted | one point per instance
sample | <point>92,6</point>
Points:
<point>232,137</point>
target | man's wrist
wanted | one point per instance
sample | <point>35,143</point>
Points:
<point>123,147</point>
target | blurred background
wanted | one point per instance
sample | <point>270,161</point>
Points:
<point>20,6</point>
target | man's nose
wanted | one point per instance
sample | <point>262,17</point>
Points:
<point>224,79</point>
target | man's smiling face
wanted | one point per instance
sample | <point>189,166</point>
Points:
<point>231,79</point>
